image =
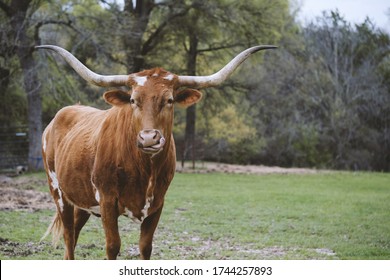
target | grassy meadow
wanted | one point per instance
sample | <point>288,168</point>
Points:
<point>335,215</point>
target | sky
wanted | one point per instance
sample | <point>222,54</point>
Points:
<point>354,11</point>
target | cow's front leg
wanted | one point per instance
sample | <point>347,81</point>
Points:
<point>109,213</point>
<point>148,227</point>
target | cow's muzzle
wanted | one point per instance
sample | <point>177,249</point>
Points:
<point>150,141</point>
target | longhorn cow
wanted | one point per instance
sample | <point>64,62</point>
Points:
<point>118,161</point>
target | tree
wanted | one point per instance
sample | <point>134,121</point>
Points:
<point>330,104</point>
<point>229,136</point>
<point>20,42</point>
<point>212,32</point>
<point>356,98</point>
<point>23,25</point>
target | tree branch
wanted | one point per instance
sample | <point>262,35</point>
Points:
<point>7,9</point>
<point>218,48</point>
<point>152,41</point>
<point>50,21</point>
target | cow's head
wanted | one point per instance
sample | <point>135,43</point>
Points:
<point>152,97</point>
<point>153,94</point>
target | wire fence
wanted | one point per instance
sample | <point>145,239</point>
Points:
<point>13,147</point>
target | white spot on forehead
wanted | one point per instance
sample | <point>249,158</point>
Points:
<point>56,186</point>
<point>169,77</point>
<point>140,80</point>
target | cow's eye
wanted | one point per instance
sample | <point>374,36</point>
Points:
<point>134,103</point>
<point>170,101</point>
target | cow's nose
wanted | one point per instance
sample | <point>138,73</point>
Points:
<point>150,140</point>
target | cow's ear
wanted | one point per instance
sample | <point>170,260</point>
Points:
<point>187,97</point>
<point>117,97</point>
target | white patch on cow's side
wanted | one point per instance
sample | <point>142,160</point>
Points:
<point>129,214</point>
<point>95,209</point>
<point>56,186</point>
<point>155,75</point>
<point>144,211</point>
<point>91,210</point>
<point>140,80</point>
<point>97,194</point>
<point>44,141</point>
<point>93,184</point>
<point>169,77</point>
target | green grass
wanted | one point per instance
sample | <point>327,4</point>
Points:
<point>338,215</point>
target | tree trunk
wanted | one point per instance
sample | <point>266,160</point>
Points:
<point>34,109</point>
<point>189,138</point>
<point>136,21</point>
<point>24,51</point>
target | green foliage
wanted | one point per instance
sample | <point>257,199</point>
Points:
<point>228,126</point>
<point>229,136</point>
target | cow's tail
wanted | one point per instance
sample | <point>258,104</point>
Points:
<point>56,228</point>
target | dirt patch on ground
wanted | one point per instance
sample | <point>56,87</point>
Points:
<point>18,193</point>
<point>212,167</point>
<point>15,249</point>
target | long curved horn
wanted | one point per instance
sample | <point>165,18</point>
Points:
<point>85,73</point>
<point>219,77</point>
